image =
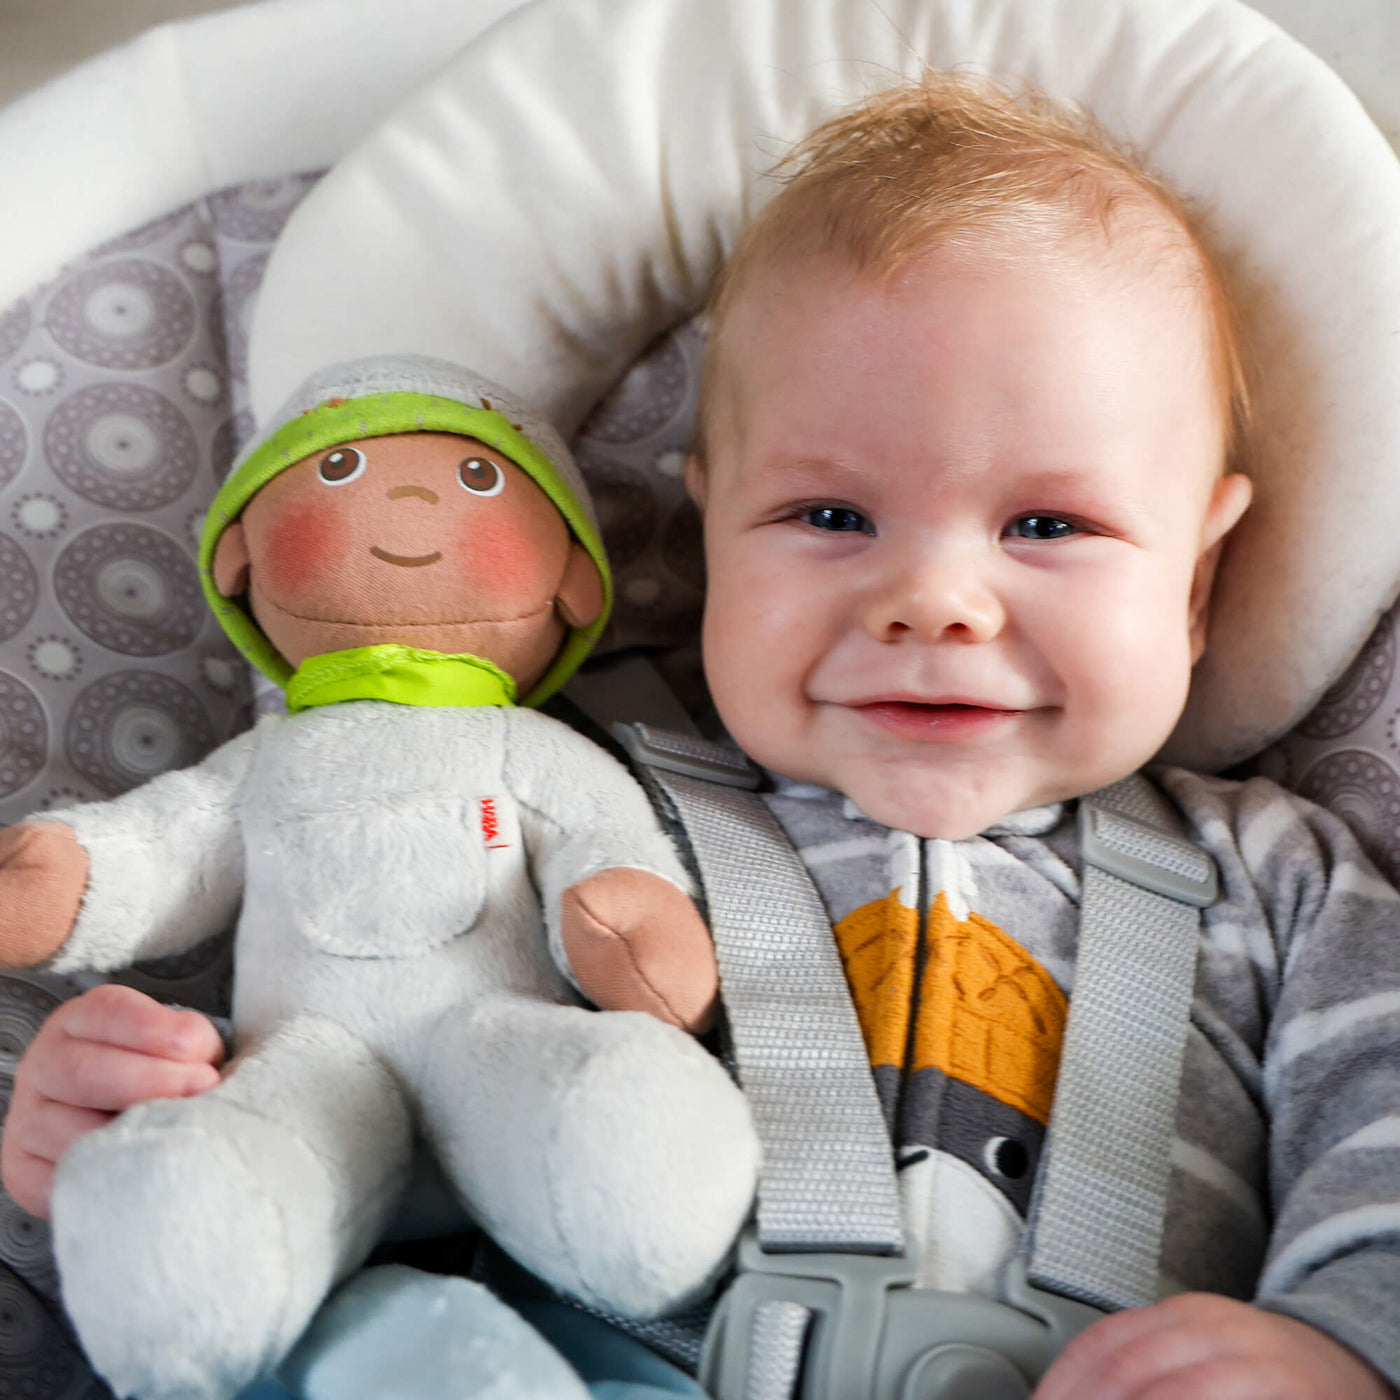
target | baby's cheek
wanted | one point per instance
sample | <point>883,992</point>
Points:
<point>302,548</point>
<point>501,560</point>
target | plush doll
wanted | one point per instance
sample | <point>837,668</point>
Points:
<point>405,553</point>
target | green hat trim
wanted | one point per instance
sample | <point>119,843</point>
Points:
<point>404,675</point>
<point>379,415</point>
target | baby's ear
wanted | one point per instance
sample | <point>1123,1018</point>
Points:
<point>231,561</point>
<point>1229,500</point>
<point>580,596</point>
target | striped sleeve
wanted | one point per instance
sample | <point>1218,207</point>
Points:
<point>1331,1072</point>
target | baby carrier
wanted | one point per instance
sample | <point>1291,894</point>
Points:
<point>623,143</point>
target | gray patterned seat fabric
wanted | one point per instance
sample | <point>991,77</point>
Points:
<point>123,401</point>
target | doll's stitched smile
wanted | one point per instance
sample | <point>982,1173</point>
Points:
<point>405,561</point>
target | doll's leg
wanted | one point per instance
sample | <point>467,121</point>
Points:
<point>606,1151</point>
<point>196,1237</point>
<point>394,1331</point>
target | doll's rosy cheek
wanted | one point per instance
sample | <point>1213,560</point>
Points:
<point>303,546</point>
<point>496,554</point>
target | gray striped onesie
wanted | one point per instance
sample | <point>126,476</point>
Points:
<point>1286,1164</point>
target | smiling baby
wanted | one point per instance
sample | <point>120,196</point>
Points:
<point>973,427</point>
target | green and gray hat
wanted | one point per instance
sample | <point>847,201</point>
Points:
<point>404,394</point>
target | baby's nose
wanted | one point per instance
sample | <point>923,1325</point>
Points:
<point>934,602</point>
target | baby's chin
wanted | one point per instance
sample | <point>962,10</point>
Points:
<point>936,806</point>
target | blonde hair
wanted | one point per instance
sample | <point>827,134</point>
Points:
<point>953,159</point>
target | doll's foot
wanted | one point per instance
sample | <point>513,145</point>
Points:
<point>195,1238</point>
<point>393,1333</point>
<point>609,1153</point>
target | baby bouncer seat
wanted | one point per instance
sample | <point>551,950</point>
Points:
<point>165,291</point>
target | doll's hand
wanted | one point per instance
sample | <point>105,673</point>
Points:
<point>43,873</point>
<point>636,943</point>
<point>1199,1346</point>
<point>96,1055</point>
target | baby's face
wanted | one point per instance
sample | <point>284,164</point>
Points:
<point>960,529</point>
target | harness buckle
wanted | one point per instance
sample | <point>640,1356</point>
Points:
<point>854,1327</point>
<point>687,754</point>
<point>1146,856</point>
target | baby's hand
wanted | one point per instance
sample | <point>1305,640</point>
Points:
<point>96,1055</point>
<point>636,943</point>
<point>1198,1346</point>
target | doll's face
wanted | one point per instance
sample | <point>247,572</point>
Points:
<point>418,539</point>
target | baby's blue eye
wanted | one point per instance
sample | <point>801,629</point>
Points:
<point>1041,527</point>
<point>837,518</point>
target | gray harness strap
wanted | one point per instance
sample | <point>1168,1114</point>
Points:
<point>1096,1224</point>
<point>828,1180</point>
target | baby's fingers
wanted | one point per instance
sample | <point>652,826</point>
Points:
<point>28,1180</point>
<point>37,1133</point>
<point>86,1074</point>
<point>35,1138</point>
<point>1126,1355</point>
<point>121,1016</point>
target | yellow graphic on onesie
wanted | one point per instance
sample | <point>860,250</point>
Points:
<point>988,1014</point>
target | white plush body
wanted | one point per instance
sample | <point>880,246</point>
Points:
<point>393,973</point>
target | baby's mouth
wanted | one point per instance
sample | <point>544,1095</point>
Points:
<point>921,719</point>
<point>405,561</point>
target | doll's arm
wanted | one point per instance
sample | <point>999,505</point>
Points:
<point>616,897</point>
<point>150,873</point>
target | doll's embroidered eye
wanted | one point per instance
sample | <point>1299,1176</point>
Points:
<point>481,476</point>
<point>342,465</point>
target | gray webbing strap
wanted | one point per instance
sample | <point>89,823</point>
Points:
<point>1096,1223</point>
<point>775,1349</point>
<point>828,1180</point>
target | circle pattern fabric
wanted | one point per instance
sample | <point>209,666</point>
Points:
<point>1359,693</point>
<point>122,446</point>
<point>24,735</point>
<point>119,413</point>
<point>1346,754</point>
<point>130,589</point>
<point>652,395</point>
<point>129,728</point>
<point>14,328</point>
<point>23,1009</point>
<point>14,442</point>
<point>1363,788</point>
<point>19,589</point>
<point>132,314</point>
<point>632,453</point>
<point>255,212</point>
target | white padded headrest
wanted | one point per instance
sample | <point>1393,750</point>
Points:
<point>257,91</point>
<point>569,185</point>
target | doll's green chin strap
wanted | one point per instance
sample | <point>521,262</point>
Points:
<point>403,675</point>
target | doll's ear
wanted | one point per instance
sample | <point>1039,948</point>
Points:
<point>580,596</point>
<point>231,561</point>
